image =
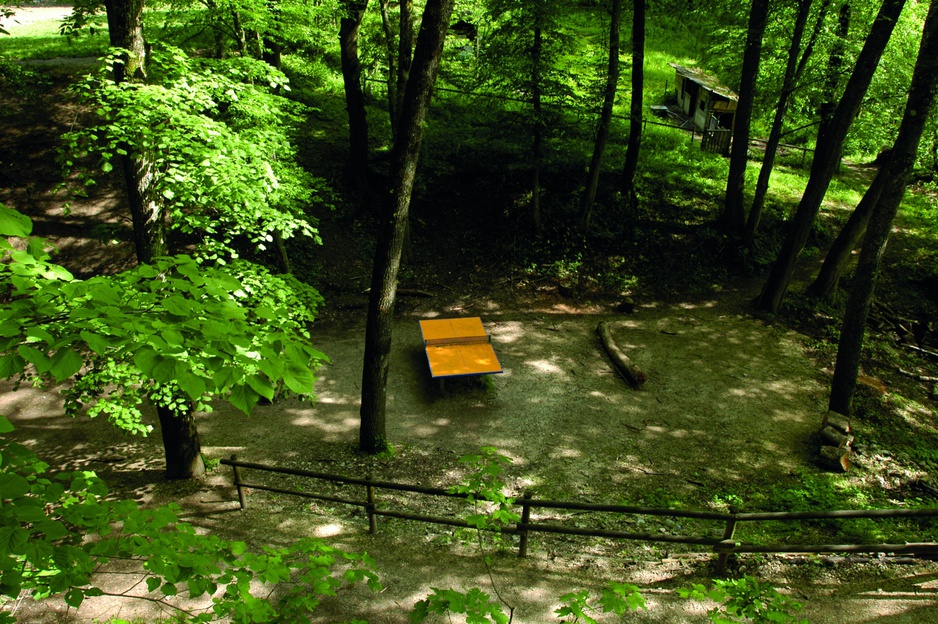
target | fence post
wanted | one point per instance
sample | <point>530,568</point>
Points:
<point>370,507</point>
<point>723,548</point>
<point>693,131</point>
<point>242,500</point>
<point>523,525</point>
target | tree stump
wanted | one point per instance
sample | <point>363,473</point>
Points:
<point>629,371</point>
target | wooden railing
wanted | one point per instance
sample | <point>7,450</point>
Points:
<point>723,547</point>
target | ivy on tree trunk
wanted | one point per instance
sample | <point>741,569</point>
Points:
<point>406,153</point>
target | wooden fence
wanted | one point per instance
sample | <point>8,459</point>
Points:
<point>723,547</point>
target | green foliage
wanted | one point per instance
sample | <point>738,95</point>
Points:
<point>23,81</point>
<point>617,598</point>
<point>486,484</point>
<point>478,607</point>
<point>41,39</point>
<point>746,600</point>
<point>175,332</point>
<point>56,530</point>
<point>217,137</point>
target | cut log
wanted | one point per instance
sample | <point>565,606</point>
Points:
<point>835,458</point>
<point>836,438</point>
<point>837,421</point>
<point>629,371</point>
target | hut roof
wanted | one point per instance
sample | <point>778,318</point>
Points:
<point>705,80</point>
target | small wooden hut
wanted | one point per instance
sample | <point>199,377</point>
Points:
<point>701,98</point>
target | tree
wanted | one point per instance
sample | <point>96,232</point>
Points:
<point>827,156</point>
<point>223,172</point>
<point>605,116</point>
<point>391,60</point>
<point>405,53</point>
<point>406,153</point>
<point>793,71</point>
<point>350,25</point>
<point>173,333</point>
<point>835,61</point>
<point>825,284</point>
<point>635,107</point>
<point>895,174</point>
<point>733,208</point>
<point>520,59</point>
<point>125,29</point>
<point>537,148</point>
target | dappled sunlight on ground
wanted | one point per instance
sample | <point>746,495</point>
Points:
<point>727,400</point>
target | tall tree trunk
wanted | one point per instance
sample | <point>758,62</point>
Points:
<point>391,59</point>
<point>835,62</point>
<point>538,146</point>
<point>125,27</point>
<point>605,116</point>
<point>827,155</point>
<point>241,37</point>
<point>733,218</point>
<point>825,284</point>
<point>406,153</point>
<point>405,51</point>
<point>149,219</point>
<point>218,33</point>
<point>792,74</point>
<point>180,443</point>
<point>125,30</point>
<point>896,173</point>
<point>349,26</point>
<point>635,107</point>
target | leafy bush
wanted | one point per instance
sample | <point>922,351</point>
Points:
<point>57,530</point>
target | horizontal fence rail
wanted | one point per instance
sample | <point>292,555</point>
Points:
<point>723,547</point>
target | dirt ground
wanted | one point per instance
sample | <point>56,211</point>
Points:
<point>730,399</point>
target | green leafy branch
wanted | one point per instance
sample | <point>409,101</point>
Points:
<point>174,332</point>
<point>746,600</point>
<point>218,138</point>
<point>57,531</point>
<point>486,483</point>
<point>617,598</point>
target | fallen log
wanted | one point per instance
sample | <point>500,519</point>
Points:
<point>836,438</point>
<point>405,292</point>
<point>835,458</point>
<point>629,371</point>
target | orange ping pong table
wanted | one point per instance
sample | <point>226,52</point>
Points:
<point>458,347</point>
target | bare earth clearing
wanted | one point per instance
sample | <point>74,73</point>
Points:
<point>730,400</point>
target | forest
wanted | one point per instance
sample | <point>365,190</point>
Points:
<point>224,223</point>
